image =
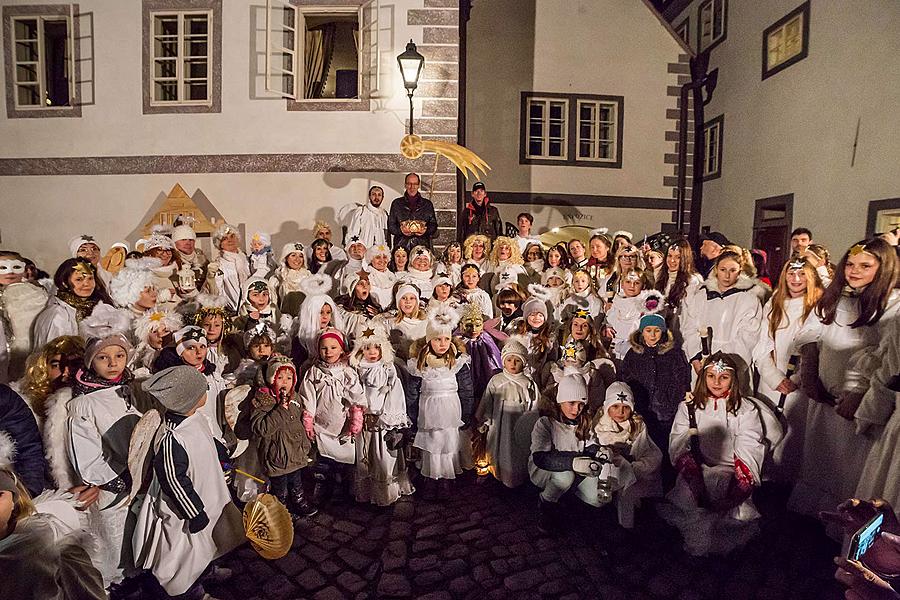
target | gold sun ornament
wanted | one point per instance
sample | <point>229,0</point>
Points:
<point>413,147</point>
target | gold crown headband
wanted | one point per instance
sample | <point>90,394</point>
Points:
<point>84,268</point>
<point>859,249</point>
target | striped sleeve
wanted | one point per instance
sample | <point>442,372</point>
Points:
<point>171,466</point>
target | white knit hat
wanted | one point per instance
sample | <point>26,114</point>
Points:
<point>618,392</point>
<point>106,326</point>
<point>418,251</point>
<point>537,302</point>
<point>552,272</point>
<point>441,321</point>
<point>369,334</point>
<point>441,279</point>
<point>188,337</point>
<point>136,276</point>
<point>514,346</point>
<point>377,250</point>
<point>404,289</point>
<point>291,248</point>
<point>183,232</point>
<point>572,388</point>
<point>78,241</point>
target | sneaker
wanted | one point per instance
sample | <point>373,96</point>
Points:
<point>302,507</point>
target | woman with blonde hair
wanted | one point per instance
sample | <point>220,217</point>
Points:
<point>796,293</point>
<point>47,370</point>
<point>628,258</point>
<point>506,262</point>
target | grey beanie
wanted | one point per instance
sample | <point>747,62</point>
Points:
<point>177,388</point>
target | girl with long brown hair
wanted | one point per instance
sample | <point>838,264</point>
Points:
<point>851,318</point>
<point>797,291</point>
<point>678,281</point>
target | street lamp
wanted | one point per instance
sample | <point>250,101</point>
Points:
<point>411,63</point>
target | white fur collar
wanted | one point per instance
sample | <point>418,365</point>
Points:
<point>7,450</point>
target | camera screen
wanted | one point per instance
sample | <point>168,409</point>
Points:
<point>865,537</point>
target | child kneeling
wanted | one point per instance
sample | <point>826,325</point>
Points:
<point>563,451</point>
<point>634,454</point>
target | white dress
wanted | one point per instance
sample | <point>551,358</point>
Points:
<point>403,334</point>
<point>233,271</point>
<point>382,286</point>
<point>381,476</point>
<point>481,298</point>
<point>835,452</point>
<point>327,392</point>
<point>624,317</point>
<point>771,357</point>
<point>880,411</point>
<point>723,437</point>
<point>162,542</point>
<point>20,305</point>
<point>440,417</point>
<point>99,431</point>
<point>506,400</point>
<point>365,222</point>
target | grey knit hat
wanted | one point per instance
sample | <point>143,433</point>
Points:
<point>177,388</point>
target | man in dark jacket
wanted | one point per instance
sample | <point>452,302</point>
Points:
<point>711,245</point>
<point>481,216</point>
<point>412,221</point>
<point>21,447</point>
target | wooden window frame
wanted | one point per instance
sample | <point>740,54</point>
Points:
<point>42,13</point>
<point>180,79</point>
<point>686,26</point>
<point>716,41</point>
<point>803,11</point>
<point>572,129</point>
<point>719,123</point>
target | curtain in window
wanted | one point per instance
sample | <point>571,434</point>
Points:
<point>319,50</point>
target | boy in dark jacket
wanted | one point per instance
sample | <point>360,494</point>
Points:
<point>659,375</point>
<point>277,420</point>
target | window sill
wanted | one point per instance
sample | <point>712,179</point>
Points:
<point>336,104</point>
<point>71,112</point>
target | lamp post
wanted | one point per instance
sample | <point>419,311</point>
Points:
<point>411,63</point>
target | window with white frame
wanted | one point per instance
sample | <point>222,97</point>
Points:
<point>712,23</point>
<point>712,147</point>
<point>583,130</point>
<point>41,72</point>
<point>597,130</point>
<point>547,128</point>
<point>182,53</point>
<point>181,58</point>
<point>319,55</point>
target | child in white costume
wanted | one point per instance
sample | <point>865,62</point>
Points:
<point>628,306</point>
<point>101,419</point>
<point>333,403</point>
<point>510,398</point>
<point>188,496</point>
<point>445,400</point>
<point>151,330</point>
<point>718,469</point>
<point>231,269</point>
<point>381,476</point>
<point>420,271</point>
<point>563,451</point>
<point>287,277</point>
<point>261,258</point>
<point>381,278</point>
<point>635,455</point>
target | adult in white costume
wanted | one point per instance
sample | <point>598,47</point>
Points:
<point>366,222</point>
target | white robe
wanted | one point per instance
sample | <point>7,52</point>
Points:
<point>327,393</point>
<point>382,286</point>
<point>624,317</point>
<point>381,476</point>
<point>880,411</point>
<point>20,305</point>
<point>162,541</point>
<point>403,334</point>
<point>99,431</point>
<point>440,417</point>
<point>771,357</point>
<point>835,451</point>
<point>233,271</point>
<point>723,437</point>
<point>57,319</point>
<point>365,222</point>
<point>481,298</point>
<point>506,400</point>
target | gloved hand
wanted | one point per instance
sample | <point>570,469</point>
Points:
<point>583,465</point>
<point>198,523</point>
<point>356,419</point>
<point>164,295</point>
<point>308,425</point>
<point>212,268</point>
<point>742,475</point>
<point>227,471</point>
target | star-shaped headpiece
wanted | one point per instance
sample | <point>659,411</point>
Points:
<point>719,367</point>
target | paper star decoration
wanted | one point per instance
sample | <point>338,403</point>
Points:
<point>368,332</point>
<point>622,397</point>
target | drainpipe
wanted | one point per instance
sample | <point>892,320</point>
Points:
<point>465,9</point>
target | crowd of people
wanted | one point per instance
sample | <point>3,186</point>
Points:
<point>151,392</point>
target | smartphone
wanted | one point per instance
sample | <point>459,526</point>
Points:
<point>863,539</point>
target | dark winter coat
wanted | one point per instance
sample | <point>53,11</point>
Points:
<point>659,377</point>
<point>283,444</point>
<point>421,210</point>
<point>17,421</point>
<point>484,219</point>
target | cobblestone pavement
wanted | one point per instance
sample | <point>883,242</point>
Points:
<point>483,543</point>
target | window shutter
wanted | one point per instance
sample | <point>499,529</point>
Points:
<point>284,49</point>
<point>370,63</point>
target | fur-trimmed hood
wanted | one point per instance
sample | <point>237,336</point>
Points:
<point>664,345</point>
<point>711,285</point>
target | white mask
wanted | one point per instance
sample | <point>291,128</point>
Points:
<point>11,266</point>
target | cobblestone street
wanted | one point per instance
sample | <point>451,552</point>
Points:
<point>484,543</point>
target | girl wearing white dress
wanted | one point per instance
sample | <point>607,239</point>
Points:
<point>469,290</point>
<point>381,278</point>
<point>419,271</point>
<point>716,445</point>
<point>796,294</point>
<point>287,277</point>
<point>445,403</point>
<point>232,267</point>
<point>852,317</point>
<point>381,476</point>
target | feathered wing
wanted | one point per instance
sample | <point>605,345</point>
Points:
<point>104,321</point>
<point>7,450</point>
<point>464,159</point>
<point>540,292</point>
<point>139,448</point>
<point>55,436</point>
<point>316,285</point>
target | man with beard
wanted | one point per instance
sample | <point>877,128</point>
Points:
<point>368,222</point>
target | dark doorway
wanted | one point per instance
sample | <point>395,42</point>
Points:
<point>772,223</point>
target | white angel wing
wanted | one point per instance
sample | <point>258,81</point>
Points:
<point>139,448</point>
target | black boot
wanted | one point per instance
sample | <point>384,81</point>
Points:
<point>322,490</point>
<point>299,505</point>
<point>278,487</point>
<point>546,516</point>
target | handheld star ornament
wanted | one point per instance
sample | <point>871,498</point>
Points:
<point>413,146</point>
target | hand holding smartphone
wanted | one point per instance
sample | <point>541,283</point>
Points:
<point>865,536</point>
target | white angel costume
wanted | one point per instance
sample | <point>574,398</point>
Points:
<point>507,400</point>
<point>20,305</point>
<point>234,270</point>
<point>327,392</point>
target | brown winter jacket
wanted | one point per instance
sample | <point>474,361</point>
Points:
<point>283,445</point>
